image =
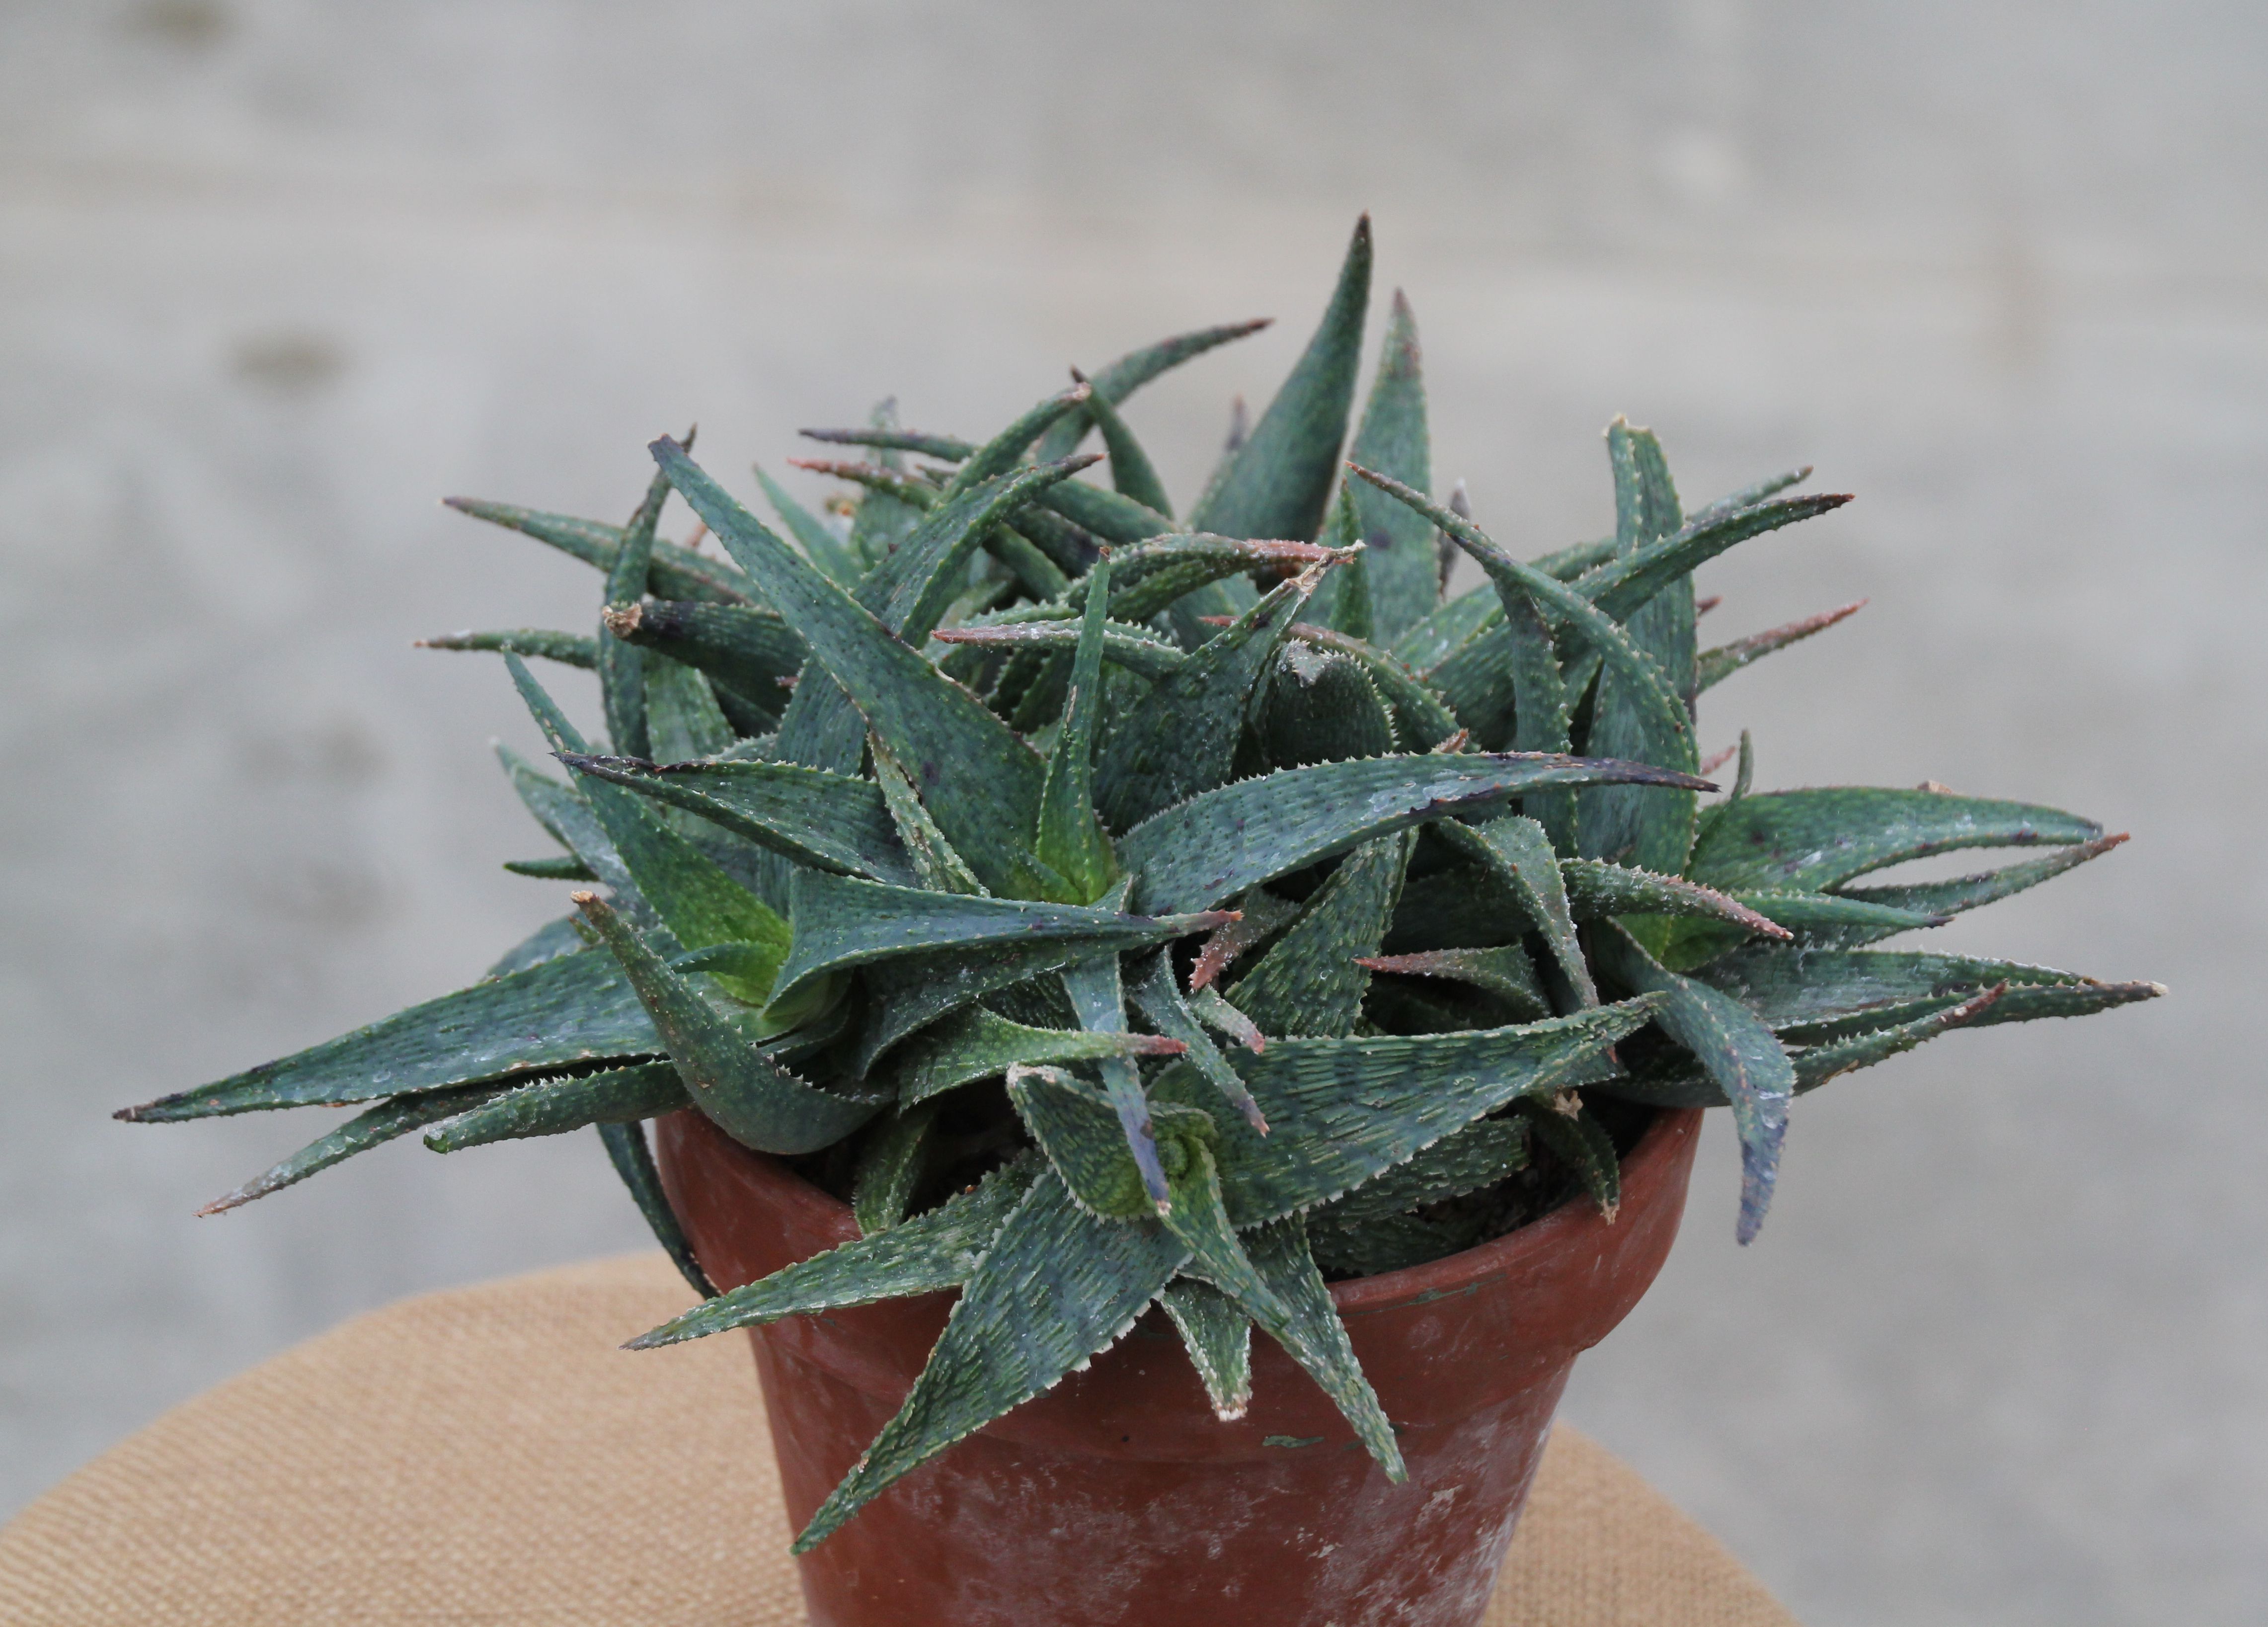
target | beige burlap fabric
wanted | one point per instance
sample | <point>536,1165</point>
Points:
<point>489,1456</point>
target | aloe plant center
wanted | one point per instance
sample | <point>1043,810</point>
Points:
<point>1117,908</point>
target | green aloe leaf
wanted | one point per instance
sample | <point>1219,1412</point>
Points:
<point>1812,840</point>
<point>1281,478</point>
<point>906,995</point>
<point>919,575</point>
<point>555,1106</point>
<point>1341,1111</point>
<point>1070,547</point>
<point>1425,644</point>
<point>1240,430</point>
<point>1056,1286</point>
<point>568,817</point>
<point>1480,680</point>
<point>1517,852</point>
<point>1529,661</point>
<point>1653,713</point>
<point>1423,718</point>
<point>574,1009</point>
<point>622,666</point>
<point>747,650</point>
<point>1622,585</point>
<point>989,802</point>
<point>1744,774</point>
<point>908,590</point>
<point>1828,918</point>
<point>830,822</point>
<point>1071,840</point>
<point>1220,842</point>
<point>885,518</point>
<point>1597,890</point>
<point>374,1129</point>
<point>935,1250</point>
<point>1224,1019</point>
<point>1313,980</point>
<point>1157,574</point>
<point>1159,998</point>
<point>1646,508</point>
<point>1735,1047</point>
<point>976,1043</point>
<point>819,726</point>
<point>1749,496</point>
<point>1941,898</point>
<point>886,477</point>
<point>1135,649</point>
<point>1504,971</point>
<point>1626,714</point>
<point>936,866</point>
<point>749,1096</point>
<point>1815,1065</point>
<point>683,720</point>
<point>1321,707</point>
<point>1343,602</point>
<point>1259,914</point>
<point>1100,999</point>
<point>565,868</point>
<point>1573,563</point>
<point>1580,1143</point>
<point>1217,1336</point>
<point>1088,1144</point>
<point>1001,454</point>
<point>1180,738</point>
<point>676,572</point>
<point>1712,667</point>
<point>829,552</point>
<point>1480,1155</point>
<point>1398,562</point>
<point>699,902</point>
<point>882,520</point>
<point>889,438</point>
<point>570,649</point>
<point>1197,1216</point>
<point>841,922</point>
<point>1618,585</point>
<point>1314,1335</point>
<point>891,1165</point>
<point>1110,516</point>
<point>1122,378</point>
<point>1152,575</point>
<point>1814,995</point>
<point>1035,573</point>
<point>1131,473</point>
<point>633,1160</point>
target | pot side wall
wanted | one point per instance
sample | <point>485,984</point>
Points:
<point>1118,1497</point>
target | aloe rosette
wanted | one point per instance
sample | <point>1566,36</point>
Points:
<point>1122,910</point>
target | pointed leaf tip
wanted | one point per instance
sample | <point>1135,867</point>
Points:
<point>1278,482</point>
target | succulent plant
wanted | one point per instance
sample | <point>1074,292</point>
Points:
<point>1119,909</point>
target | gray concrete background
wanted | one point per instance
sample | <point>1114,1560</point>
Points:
<point>274,276</point>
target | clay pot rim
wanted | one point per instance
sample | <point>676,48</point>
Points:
<point>1643,1167</point>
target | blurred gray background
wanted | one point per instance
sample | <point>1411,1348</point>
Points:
<point>274,276</point>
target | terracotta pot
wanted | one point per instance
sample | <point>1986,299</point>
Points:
<point>1118,1497</point>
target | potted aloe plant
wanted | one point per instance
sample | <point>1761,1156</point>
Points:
<point>1053,938</point>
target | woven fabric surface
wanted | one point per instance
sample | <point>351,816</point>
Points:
<point>488,1455</point>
